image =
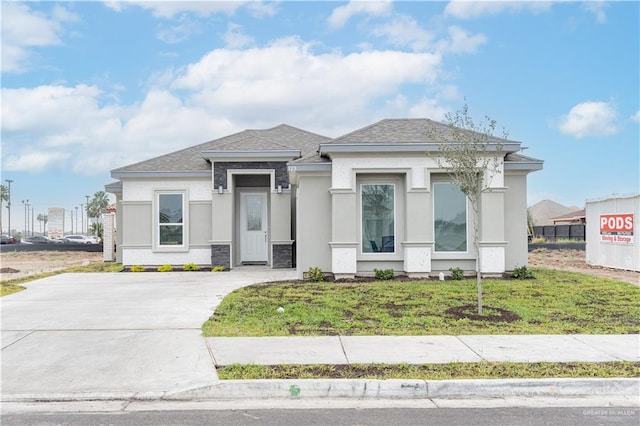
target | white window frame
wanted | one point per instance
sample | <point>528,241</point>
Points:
<point>157,247</point>
<point>469,242</point>
<point>395,219</point>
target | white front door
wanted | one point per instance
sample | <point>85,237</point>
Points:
<point>253,227</point>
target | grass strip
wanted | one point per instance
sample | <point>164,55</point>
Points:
<point>480,370</point>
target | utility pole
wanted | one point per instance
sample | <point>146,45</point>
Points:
<point>26,217</point>
<point>76,219</point>
<point>9,205</point>
<point>87,207</point>
<point>82,219</point>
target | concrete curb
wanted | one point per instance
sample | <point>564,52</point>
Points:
<point>365,389</point>
<point>410,389</point>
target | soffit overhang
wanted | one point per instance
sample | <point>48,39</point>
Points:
<point>376,148</point>
<point>250,156</point>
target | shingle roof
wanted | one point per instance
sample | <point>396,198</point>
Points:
<point>190,160</point>
<point>401,130</point>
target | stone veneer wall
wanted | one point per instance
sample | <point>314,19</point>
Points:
<point>220,171</point>
<point>282,256</point>
<point>221,255</point>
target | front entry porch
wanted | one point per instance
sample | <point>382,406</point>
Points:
<point>252,219</point>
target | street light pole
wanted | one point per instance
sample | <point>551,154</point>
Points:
<point>82,219</point>
<point>26,217</point>
<point>9,205</point>
<point>76,218</point>
<point>87,207</point>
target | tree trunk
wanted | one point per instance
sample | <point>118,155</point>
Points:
<point>476,244</point>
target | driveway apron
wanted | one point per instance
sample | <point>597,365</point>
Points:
<point>116,333</point>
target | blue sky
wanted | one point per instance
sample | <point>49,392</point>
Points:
<point>91,86</point>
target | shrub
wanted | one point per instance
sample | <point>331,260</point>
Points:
<point>165,268</point>
<point>315,274</point>
<point>522,273</point>
<point>137,268</point>
<point>383,274</point>
<point>218,268</point>
<point>190,267</point>
<point>456,273</point>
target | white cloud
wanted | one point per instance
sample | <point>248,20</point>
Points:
<point>179,31</point>
<point>467,9</point>
<point>24,29</point>
<point>286,74</point>
<point>82,128</point>
<point>169,9</point>
<point>636,117</point>
<point>405,31</point>
<point>341,15</point>
<point>34,161</point>
<point>461,41</point>
<point>590,119</point>
<point>597,8</point>
<point>260,9</point>
<point>235,38</point>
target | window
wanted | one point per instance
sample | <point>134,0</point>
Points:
<point>449,217</point>
<point>170,219</point>
<point>378,218</point>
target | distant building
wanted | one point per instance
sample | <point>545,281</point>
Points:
<point>55,222</point>
<point>577,216</point>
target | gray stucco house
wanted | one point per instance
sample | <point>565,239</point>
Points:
<point>285,198</point>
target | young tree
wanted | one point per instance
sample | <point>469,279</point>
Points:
<point>472,156</point>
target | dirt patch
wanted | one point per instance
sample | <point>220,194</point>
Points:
<point>489,314</point>
<point>575,261</point>
<point>37,262</point>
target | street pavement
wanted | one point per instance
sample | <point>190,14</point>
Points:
<point>137,336</point>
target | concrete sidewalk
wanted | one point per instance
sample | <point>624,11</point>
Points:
<point>423,349</point>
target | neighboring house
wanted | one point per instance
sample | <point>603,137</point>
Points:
<point>577,216</point>
<point>285,197</point>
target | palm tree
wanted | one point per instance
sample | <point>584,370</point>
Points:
<point>4,196</point>
<point>42,218</point>
<point>98,204</point>
<point>97,228</point>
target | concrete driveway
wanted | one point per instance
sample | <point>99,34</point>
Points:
<point>118,334</point>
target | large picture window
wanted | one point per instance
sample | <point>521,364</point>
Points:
<point>170,219</point>
<point>378,218</point>
<point>450,217</point>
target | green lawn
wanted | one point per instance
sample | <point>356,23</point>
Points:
<point>556,302</point>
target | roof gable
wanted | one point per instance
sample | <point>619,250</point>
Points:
<point>403,131</point>
<point>189,160</point>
